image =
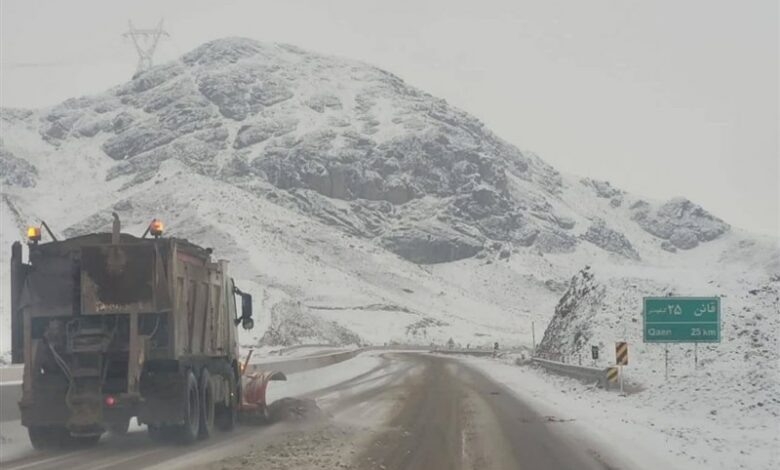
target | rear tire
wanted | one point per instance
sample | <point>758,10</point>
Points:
<point>58,437</point>
<point>206,405</point>
<point>79,442</point>
<point>46,437</point>
<point>188,431</point>
<point>119,428</point>
<point>160,434</point>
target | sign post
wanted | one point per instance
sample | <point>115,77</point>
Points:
<point>666,362</point>
<point>681,320</point>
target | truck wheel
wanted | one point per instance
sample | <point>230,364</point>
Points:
<point>206,405</point>
<point>160,434</point>
<point>225,417</point>
<point>79,442</point>
<point>119,427</point>
<point>188,431</point>
<point>46,437</point>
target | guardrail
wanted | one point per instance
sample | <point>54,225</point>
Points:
<point>588,374</point>
<point>13,375</point>
<point>398,347</point>
<point>302,364</point>
<point>469,352</point>
<point>285,350</point>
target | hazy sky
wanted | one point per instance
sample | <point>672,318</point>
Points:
<point>661,98</point>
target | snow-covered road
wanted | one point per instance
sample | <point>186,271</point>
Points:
<point>413,410</point>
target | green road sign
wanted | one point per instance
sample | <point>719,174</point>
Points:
<point>682,319</point>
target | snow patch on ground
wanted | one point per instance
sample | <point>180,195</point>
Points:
<point>641,429</point>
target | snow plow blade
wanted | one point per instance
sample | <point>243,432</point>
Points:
<point>253,402</point>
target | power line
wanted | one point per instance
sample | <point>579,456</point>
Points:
<point>145,41</point>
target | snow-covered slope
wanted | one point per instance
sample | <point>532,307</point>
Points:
<point>721,412</point>
<point>352,204</point>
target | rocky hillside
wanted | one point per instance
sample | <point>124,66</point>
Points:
<point>376,205</point>
<point>734,382</point>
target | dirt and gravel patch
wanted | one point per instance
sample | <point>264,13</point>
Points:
<point>304,437</point>
<point>295,409</point>
<point>323,446</point>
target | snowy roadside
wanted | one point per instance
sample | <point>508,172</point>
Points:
<point>310,381</point>
<point>330,443</point>
<point>337,438</point>
<point>636,429</point>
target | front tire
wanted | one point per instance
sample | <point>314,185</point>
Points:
<point>226,416</point>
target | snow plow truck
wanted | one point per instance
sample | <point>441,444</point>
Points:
<point>112,326</point>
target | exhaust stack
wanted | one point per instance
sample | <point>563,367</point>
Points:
<point>116,229</point>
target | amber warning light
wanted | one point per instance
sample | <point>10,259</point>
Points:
<point>156,228</point>
<point>34,234</point>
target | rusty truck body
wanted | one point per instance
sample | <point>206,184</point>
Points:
<point>111,326</point>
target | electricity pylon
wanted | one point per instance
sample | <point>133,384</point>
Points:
<point>145,41</point>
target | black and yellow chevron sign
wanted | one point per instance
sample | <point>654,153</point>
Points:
<point>621,353</point>
<point>612,374</point>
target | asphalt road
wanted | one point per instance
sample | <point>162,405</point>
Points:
<point>454,417</point>
<point>434,413</point>
<point>10,394</point>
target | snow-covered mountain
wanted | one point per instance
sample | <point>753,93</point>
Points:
<point>351,203</point>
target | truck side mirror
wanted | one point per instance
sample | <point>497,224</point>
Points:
<point>246,311</point>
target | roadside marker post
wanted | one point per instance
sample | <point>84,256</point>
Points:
<point>621,359</point>
<point>612,374</point>
<point>621,353</point>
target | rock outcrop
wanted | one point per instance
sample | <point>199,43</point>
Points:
<point>608,239</point>
<point>681,222</point>
<point>15,171</point>
<point>568,331</point>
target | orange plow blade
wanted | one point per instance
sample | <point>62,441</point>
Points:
<point>254,386</point>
